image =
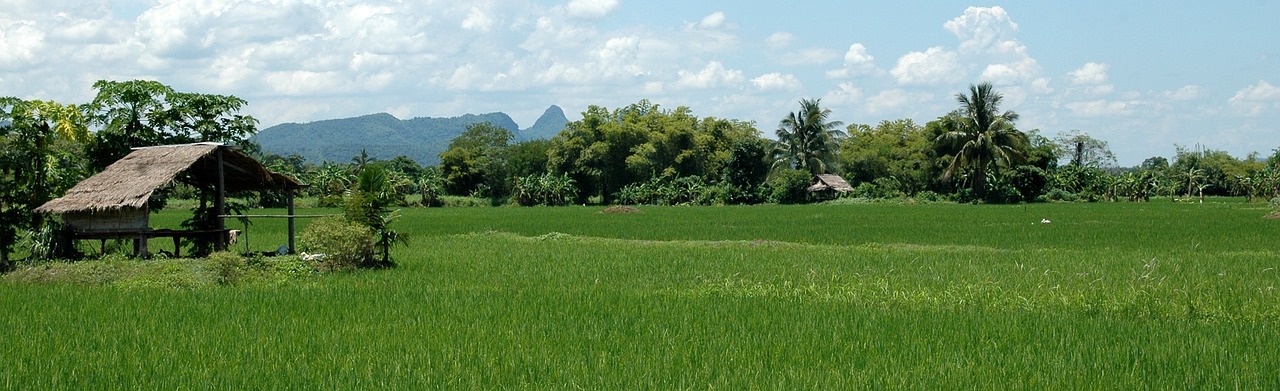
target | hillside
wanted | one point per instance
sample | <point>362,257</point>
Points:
<point>385,136</point>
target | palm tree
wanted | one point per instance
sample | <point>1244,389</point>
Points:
<point>980,136</point>
<point>806,139</point>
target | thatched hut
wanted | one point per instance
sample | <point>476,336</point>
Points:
<point>113,203</point>
<point>827,186</point>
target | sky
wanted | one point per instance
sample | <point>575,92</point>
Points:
<point>1144,76</point>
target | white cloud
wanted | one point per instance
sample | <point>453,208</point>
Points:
<point>713,75</point>
<point>20,45</point>
<point>1019,72</point>
<point>1187,92</point>
<point>893,100</point>
<point>983,29</point>
<point>477,20</point>
<point>776,82</point>
<point>857,62</point>
<point>1256,99</point>
<point>1091,73</point>
<point>1259,92</point>
<point>591,8</point>
<point>714,20</point>
<point>1100,108</point>
<point>779,40</point>
<point>845,94</point>
<point>933,66</point>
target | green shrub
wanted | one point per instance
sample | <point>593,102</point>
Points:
<point>345,244</point>
<point>459,201</point>
<point>928,196</point>
<point>788,186</point>
<point>228,268</point>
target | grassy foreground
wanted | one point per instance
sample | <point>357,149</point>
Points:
<point>1122,296</point>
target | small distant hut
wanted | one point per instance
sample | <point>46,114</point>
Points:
<point>114,203</point>
<point>828,186</point>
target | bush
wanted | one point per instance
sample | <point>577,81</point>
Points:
<point>788,186</point>
<point>667,190</point>
<point>1060,195</point>
<point>928,196</point>
<point>459,201</point>
<point>227,267</point>
<point>346,244</point>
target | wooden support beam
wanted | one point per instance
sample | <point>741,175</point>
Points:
<point>220,203</point>
<point>289,202</point>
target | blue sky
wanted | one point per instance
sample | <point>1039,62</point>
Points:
<point>1143,75</point>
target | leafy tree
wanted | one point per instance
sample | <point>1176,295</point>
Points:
<point>527,158</point>
<point>358,162</point>
<point>607,151</point>
<point>1084,150</point>
<point>329,181</point>
<point>1042,152</point>
<point>980,138</point>
<point>788,186</point>
<point>892,149</point>
<point>807,139</point>
<point>746,170</point>
<point>41,144</point>
<point>196,117</point>
<point>1087,183</point>
<point>130,114</point>
<point>140,113</point>
<point>1030,181</point>
<point>544,189</point>
<point>476,160</point>
<point>368,204</point>
<point>431,185</point>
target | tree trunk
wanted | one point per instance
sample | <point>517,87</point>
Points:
<point>980,181</point>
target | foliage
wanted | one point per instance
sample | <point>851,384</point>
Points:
<point>50,241</point>
<point>41,145</point>
<point>893,149</point>
<point>746,171</point>
<point>544,189</point>
<point>980,138</point>
<point>807,139</point>
<point>788,186</point>
<point>606,151</point>
<point>431,186</point>
<point>345,244</point>
<point>140,113</point>
<point>1029,181</point>
<point>527,158</point>
<point>476,160</point>
<point>1086,183</point>
<point>689,190</point>
<point>1084,150</point>
<point>368,204</point>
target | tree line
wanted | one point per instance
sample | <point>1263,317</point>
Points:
<point>641,153</point>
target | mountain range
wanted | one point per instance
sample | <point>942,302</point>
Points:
<point>384,136</point>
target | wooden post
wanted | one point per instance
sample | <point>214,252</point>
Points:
<point>220,204</point>
<point>289,202</point>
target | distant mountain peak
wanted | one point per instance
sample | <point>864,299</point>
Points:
<point>547,126</point>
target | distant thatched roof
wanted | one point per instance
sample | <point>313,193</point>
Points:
<point>130,181</point>
<point>829,182</point>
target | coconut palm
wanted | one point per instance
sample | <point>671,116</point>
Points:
<point>980,136</point>
<point>806,139</point>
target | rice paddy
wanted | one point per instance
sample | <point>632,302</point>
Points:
<point>933,296</point>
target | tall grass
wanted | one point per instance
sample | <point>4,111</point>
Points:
<point>1122,296</point>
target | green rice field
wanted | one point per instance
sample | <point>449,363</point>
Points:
<point>1127,296</point>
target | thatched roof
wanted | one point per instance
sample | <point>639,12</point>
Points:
<point>829,182</point>
<point>130,181</point>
